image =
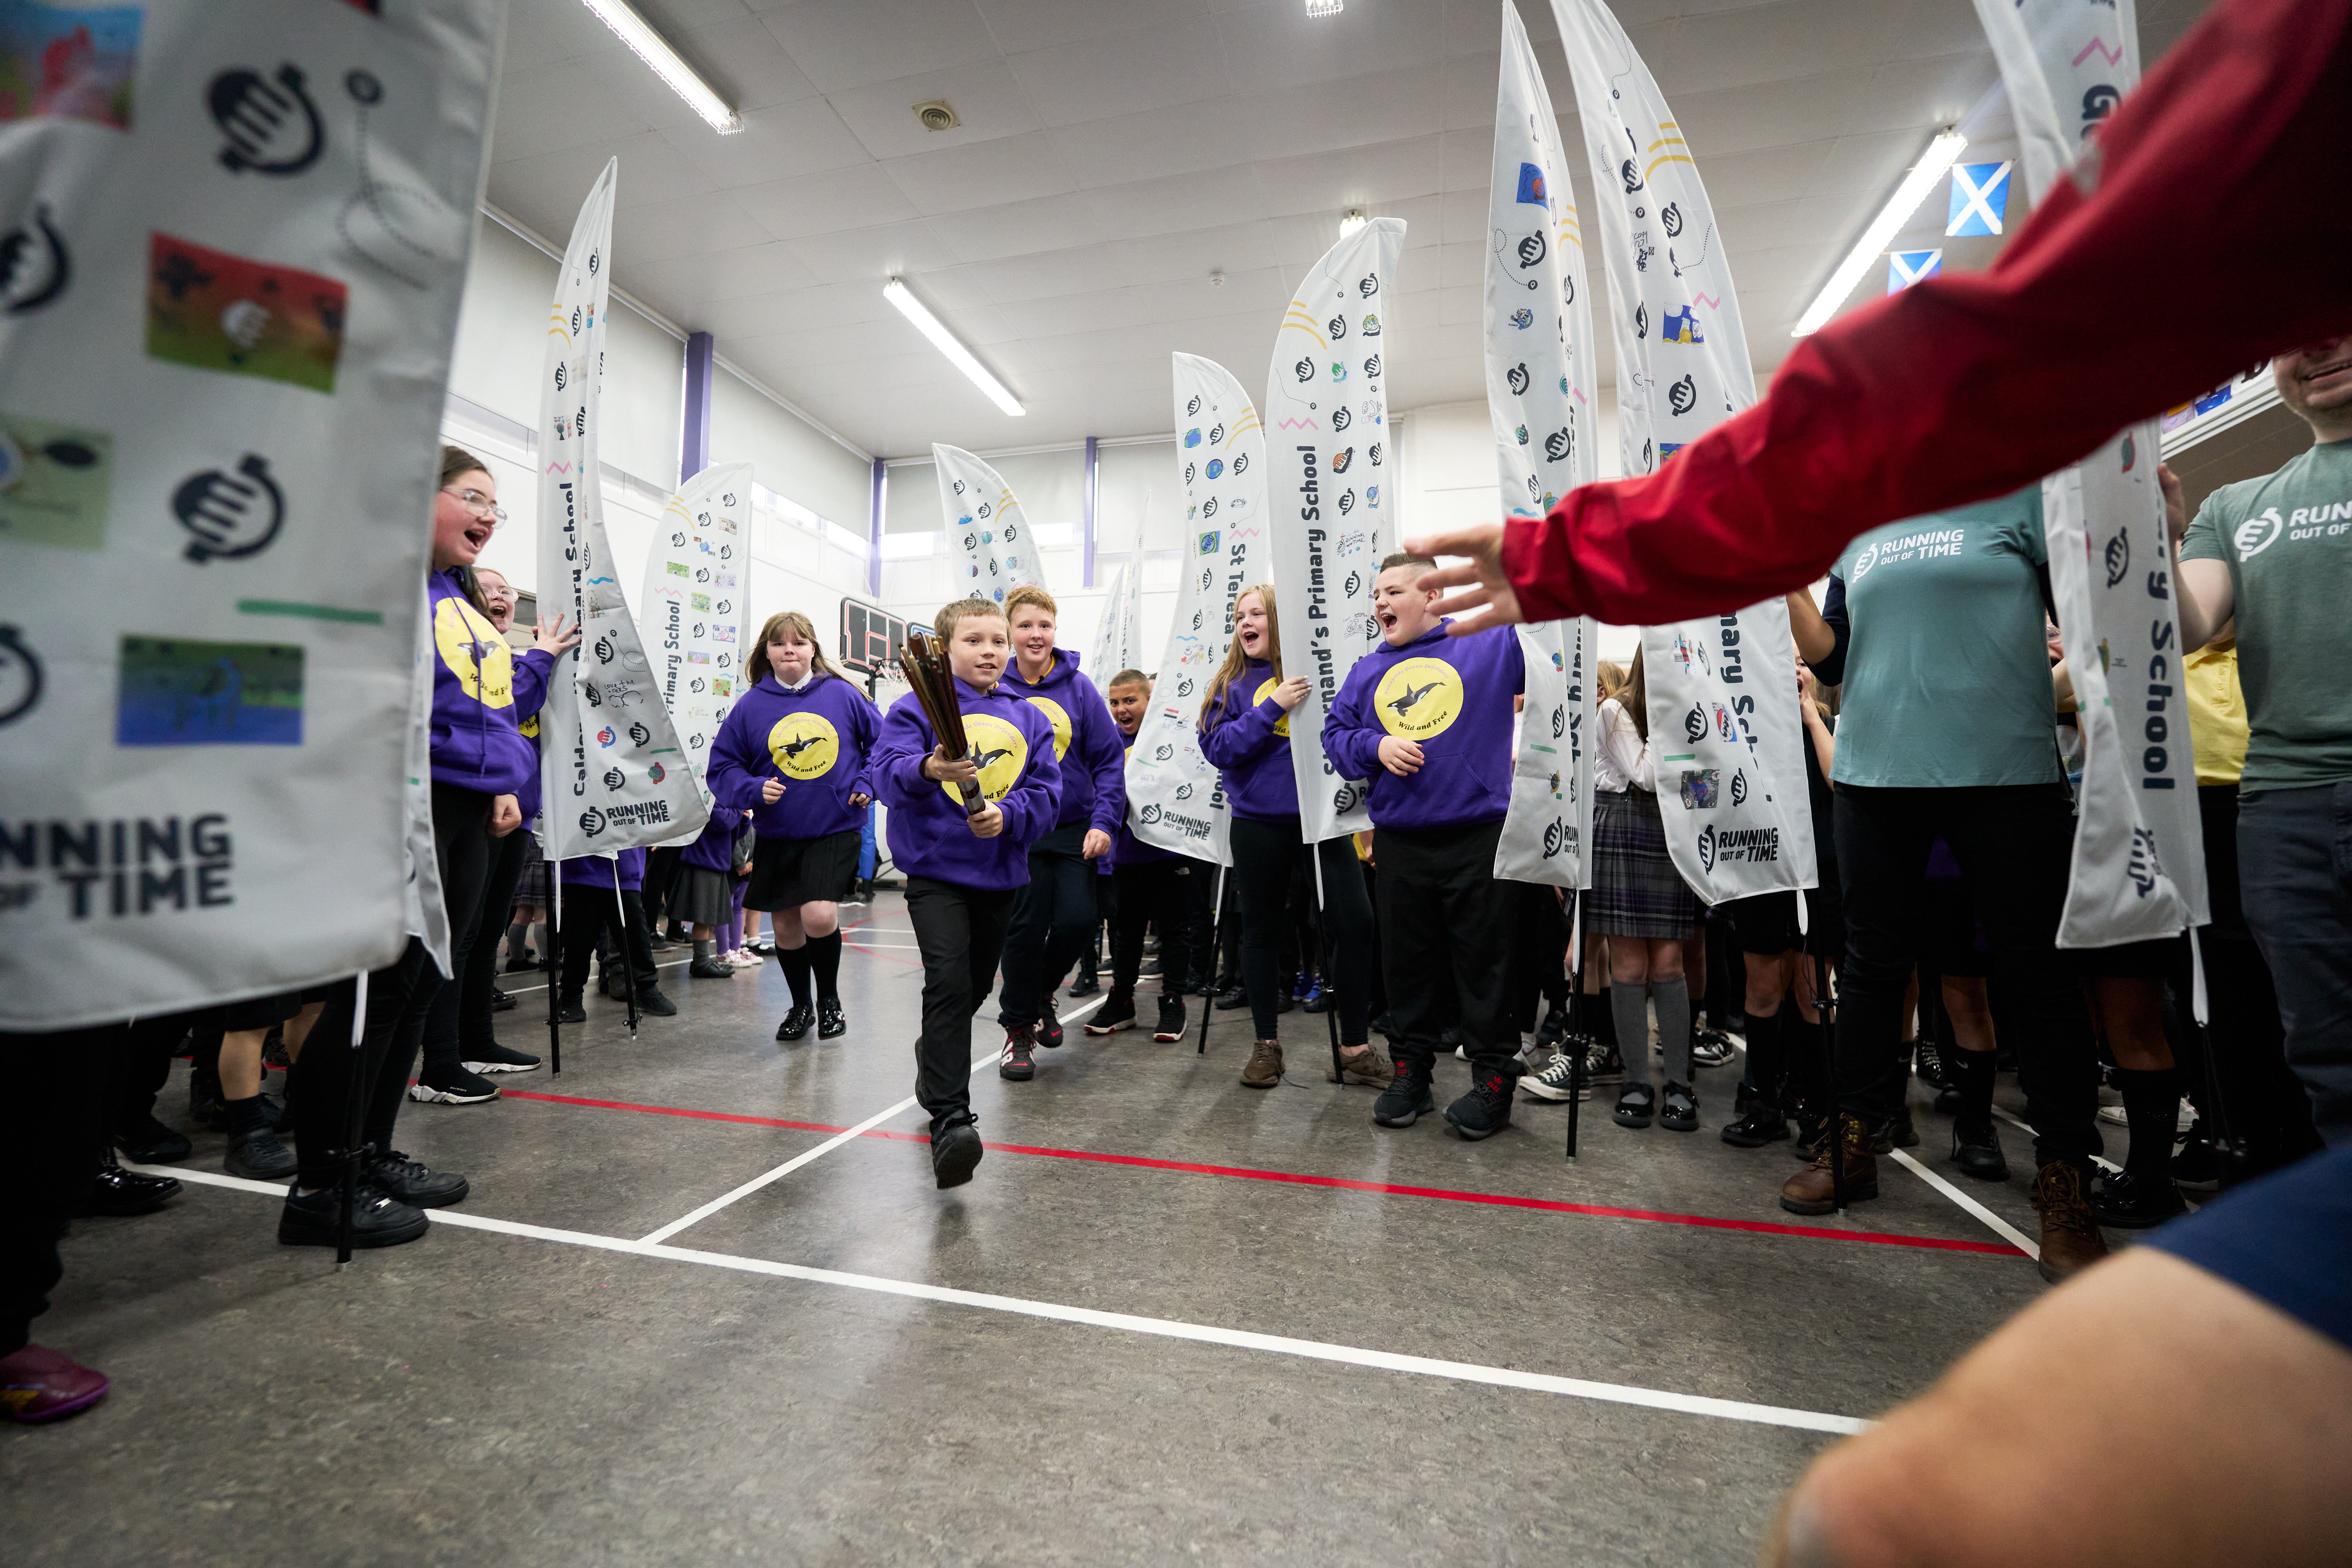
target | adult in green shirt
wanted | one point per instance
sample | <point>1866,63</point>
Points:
<point>1934,627</point>
<point>2276,554</point>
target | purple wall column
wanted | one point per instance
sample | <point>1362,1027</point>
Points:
<point>694,440</point>
<point>1087,534</point>
<point>881,493</point>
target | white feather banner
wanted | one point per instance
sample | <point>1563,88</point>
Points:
<point>692,608</point>
<point>1723,692</point>
<point>1539,388</point>
<point>612,770</point>
<point>1175,799</point>
<point>1327,414</point>
<point>2138,866</point>
<point>988,533</point>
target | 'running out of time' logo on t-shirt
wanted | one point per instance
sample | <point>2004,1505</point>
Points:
<point>1928,544</point>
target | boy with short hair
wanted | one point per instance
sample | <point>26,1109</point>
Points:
<point>1054,918</point>
<point>963,871</point>
<point>1427,718</point>
<point>1151,885</point>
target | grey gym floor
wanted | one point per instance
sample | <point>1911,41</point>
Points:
<point>528,1395</point>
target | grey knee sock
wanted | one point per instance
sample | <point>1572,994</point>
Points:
<point>702,948</point>
<point>1631,1007</point>
<point>1672,997</point>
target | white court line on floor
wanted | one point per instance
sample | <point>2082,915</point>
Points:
<point>908,946</point>
<point>526,990</point>
<point>655,1237</point>
<point>1998,1225</point>
<point>2019,1122</point>
<point>1166,1328</point>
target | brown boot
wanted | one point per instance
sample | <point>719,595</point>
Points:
<point>1264,1068</point>
<point>1812,1191</point>
<point>1367,1066</point>
<point>2071,1241</point>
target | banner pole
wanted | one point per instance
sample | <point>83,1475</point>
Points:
<point>1575,1041</point>
<point>1835,1129</point>
<point>621,948</point>
<point>1208,1002</point>
<point>351,1119</point>
<point>554,968</point>
<point>1323,958</point>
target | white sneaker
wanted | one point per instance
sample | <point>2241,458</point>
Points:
<point>742,959</point>
<point>1552,1082</point>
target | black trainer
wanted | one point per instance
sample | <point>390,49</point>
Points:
<point>1928,1065</point>
<point>797,1023</point>
<point>1486,1109</point>
<point>1554,1027</point>
<point>147,1142</point>
<point>1117,1013</point>
<point>1976,1151</point>
<point>412,1181</point>
<point>2196,1165</point>
<point>528,962</point>
<point>1087,984</point>
<point>2129,1201</point>
<point>502,1003</point>
<point>378,1219</point>
<point>832,1022</point>
<point>1604,1064</point>
<point>1049,1032</point>
<point>259,1156</point>
<point>1763,1124</point>
<point>572,1011</point>
<point>1896,1132</point>
<point>653,1005</point>
<point>955,1152</point>
<point>1637,1105</point>
<point>1018,1060</point>
<point>1407,1098</point>
<point>454,1085</point>
<point>1231,998</point>
<point>1172,1018</point>
<point>495,1058</point>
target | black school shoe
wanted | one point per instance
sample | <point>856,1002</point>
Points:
<point>1172,1019</point>
<point>117,1193</point>
<point>1231,998</point>
<point>1976,1151</point>
<point>502,1003</point>
<point>796,1024</point>
<point>378,1219</point>
<point>832,1022</point>
<point>1407,1098</point>
<point>572,1011</point>
<point>1115,1013</point>
<point>1486,1109</point>
<point>955,1154</point>
<point>1636,1106</point>
<point>2131,1201</point>
<point>1763,1124</point>
<point>412,1181</point>
<point>1680,1112</point>
<point>710,969</point>
<point>1087,983</point>
<point>259,1156</point>
<point>147,1142</point>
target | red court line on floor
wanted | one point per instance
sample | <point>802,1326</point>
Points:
<point>1344,1184</point>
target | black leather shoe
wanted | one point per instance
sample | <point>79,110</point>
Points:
<point>502,1003</point>
<point>117,1193</point>
<point>2129,1201</point>
<point>572,1011</point>
<point>1231,998</point>
<point>1976,1151</point>
<point>653,1005</point>
<point>378,1219</point>
<point>832,1022</point>
<point>1763,1124</point>
<point>796,1022</point>
<point>955,1154</point>
<point>149,1143</point>
<point>412,1181</point>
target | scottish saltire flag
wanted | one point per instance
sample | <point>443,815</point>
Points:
<point>1980,199</point>
<point>1905,267</point>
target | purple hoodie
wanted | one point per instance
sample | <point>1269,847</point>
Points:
<point>596,871</point>
<point>1451,696</point>
<point>1013,742</point>
<point>715,850</point>
<point>1094,781</point>
<point>476,739</point>
<point>818,740</point>
<point>1248,736</point>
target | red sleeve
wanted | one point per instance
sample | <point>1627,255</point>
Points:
<point>2215,235</point>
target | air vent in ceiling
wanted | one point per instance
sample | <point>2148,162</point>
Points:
<point>936,115</point>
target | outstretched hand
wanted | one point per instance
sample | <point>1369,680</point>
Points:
<point>1483,583</point>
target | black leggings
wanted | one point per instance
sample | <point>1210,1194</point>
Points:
<point>592,913</point>
<point>2013,843</point>
<point>1266,855</point>
<point>330,1074</point>
<point>1159,893</point>
<point>460,1018</point>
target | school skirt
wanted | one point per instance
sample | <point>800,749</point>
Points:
<point>789,872</point>
<point>535,888</point>
<point>1636,891</point>
<point>700,896</point>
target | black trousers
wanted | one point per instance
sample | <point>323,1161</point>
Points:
<point>57,1087</point>
<point>1538,938</point>
<point>2013,843</point>
<point>463,846</point>
<point>962,932</point>
<point>1445,927</point>
<point>661,870</point>
<point>1266,857</point>
<point>1053,920</point>
<point>320,1088</point>
<point>592,913</point>
<point>1158,893</point>
<point>461,1012</point>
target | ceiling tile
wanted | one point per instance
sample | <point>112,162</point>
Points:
<point>980,173</point>
<point>844,44</point>
<point>541,31</point>
<point>544,108</point>
<point>1275,45</point>
<point>774,143</point>
<point>877,254</point>
<point>655,231</point>
<point>1019,228</point>
<point>985,96</point>
<point>680,285</point>
<point>1020,25</point>
<point>1351,177</point>
<point>1183,138</point>
<point>861,196</point>
<point>1235,248</point>
<point>1387,106</point>
<point>1124,73</point>
<point>1046,275</point>
<point>1214,197</point>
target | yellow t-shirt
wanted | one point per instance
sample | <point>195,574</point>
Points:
<point>2217,714</point>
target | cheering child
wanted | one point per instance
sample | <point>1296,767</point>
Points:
<point>964,868</point>
<point>1428,720</point>
<point>1151,886</point>
<point>797,752</point>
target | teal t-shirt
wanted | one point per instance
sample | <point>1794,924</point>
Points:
<point>2287,540</point>
<point>1947,670</point>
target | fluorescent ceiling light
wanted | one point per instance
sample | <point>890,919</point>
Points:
<point>948,343</point>
<point>1352,221</point>
<point>1324,8</point>
<point>655,50</point>
<point>1941,154</point>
